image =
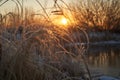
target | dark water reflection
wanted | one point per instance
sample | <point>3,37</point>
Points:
<point>105,59</point>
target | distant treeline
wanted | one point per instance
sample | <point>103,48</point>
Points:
<point>98,14</point>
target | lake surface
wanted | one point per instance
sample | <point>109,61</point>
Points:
<point>104,59</point>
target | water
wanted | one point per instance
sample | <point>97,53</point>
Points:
<point>104,59</point>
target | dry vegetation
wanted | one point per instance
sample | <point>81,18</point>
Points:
<point>99,14</point>
<point>36,50</point>
<point>33,49</point>
<point>40,54</point>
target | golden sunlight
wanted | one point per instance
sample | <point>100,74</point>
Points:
<point>64,21</point>
<point>61,21</point>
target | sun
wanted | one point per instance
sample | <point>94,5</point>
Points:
<point>64,21</point>
<point>60,21</point>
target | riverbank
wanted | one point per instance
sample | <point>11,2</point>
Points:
<point>42,52</point>
<point>104,36</point>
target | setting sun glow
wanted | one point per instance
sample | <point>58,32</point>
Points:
<point>61,21</point>
<point>64,21</point>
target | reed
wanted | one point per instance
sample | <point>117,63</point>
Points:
<point>36,50</point>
